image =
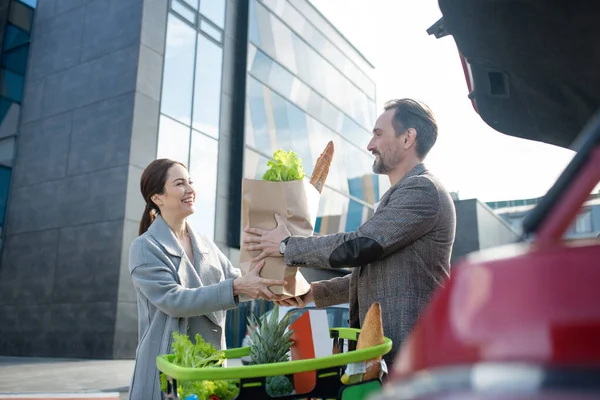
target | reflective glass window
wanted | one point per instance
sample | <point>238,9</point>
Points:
<point>354,217</point>
<point>261,66</point>
<point>173,140</point>
<point>14,36</point>
<point>258,116</point>
<point>211,31</point>
<point>207,91</point>
<point>281,80</point>
<point>20,15</point>
<point>203,171</point>
<point>192,3</point>
<point>214,10</point>
<point>181,9</point>
<point>255,165</point>
<point>30,3</point>
<point>354,132</point>
<point>253,33</point>
<point>12,85</point>
<point>178,75</point>
<point>263,20</point>
<point>16,59</point>
<point>9,118</point>
<point>4,186</point>
<point>7,150</point>
<point>332,212</point>
<point>298,137</point>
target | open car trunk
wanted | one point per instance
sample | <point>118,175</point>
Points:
<point>533,66</point>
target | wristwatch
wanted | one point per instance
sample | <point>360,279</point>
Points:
<point>283,244</point>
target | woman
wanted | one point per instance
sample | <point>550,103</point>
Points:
<point>183,281</point>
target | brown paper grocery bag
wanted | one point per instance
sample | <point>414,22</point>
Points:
<point>298,204</point>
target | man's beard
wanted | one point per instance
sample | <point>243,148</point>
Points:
<point>383,165</point>
<point>380,167</point>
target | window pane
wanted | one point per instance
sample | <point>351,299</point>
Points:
<point>173,140</point>
<point>12,85</point>
<point>192,3</point>
<point>211,31</point>
<point>16,59</point>
<point>7,150</point>
<point>20,15</point>
<point>30,3</point>
<point>4,185</point>
<point>178,73</point>
<point>214,10</point>
<point>14,37</point>
<point>203,171</point>
<point>183,11</point>
<point>207,91</point>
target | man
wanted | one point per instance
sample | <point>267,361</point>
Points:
<point>401,255</point>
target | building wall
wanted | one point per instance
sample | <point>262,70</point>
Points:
<point>467,229</point>
<point>585,225</point>
<point>493,231</point>
<point>113,84</point>
<point>478,228</point>
<point>87,128</point>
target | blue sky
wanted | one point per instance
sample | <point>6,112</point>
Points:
<point>470,157</point>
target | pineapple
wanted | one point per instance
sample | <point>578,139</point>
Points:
<point>270,343</point>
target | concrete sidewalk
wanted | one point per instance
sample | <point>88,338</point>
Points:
<point>26,375</point>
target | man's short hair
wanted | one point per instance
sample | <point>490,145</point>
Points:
<point>409,113</point>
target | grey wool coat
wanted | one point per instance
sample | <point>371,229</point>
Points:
<point>399,257</point>
<point>175,295</point>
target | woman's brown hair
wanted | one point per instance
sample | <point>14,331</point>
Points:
<point>153,182</point>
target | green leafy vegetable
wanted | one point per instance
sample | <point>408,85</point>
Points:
<point>199,355</point>
<point>278,386</point>
<point>285,166</point>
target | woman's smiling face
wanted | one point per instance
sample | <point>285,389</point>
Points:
<point>179,195</point>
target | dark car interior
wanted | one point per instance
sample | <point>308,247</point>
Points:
<point>533,65</point>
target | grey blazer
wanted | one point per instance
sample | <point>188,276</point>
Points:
<point>400,256</point>
<point>175,295</point>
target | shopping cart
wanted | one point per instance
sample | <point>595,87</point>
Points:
<point>252,378</point>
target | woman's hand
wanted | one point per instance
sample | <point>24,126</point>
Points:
<point>255,287</point>
<point>266,241</point>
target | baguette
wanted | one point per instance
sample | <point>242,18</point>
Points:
<point>371,334</point>
<point>319,175</point>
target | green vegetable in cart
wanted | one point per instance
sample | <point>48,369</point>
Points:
<point>270,343</point>
<point>199,355</point>
<point>279,386</point>
<point>285,166</point>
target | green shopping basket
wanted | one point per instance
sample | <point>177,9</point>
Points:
<point>252,378</point>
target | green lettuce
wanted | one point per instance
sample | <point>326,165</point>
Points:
<point>285,166</point>
<point>199,355</point>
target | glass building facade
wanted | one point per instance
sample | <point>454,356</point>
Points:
<point>191,98</point>
<point>302,92</point>
<point>15,40</point>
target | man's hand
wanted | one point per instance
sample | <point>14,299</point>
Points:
<point>299,301</point>
<point>267,241</point>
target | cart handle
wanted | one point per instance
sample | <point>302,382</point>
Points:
<point>163,362</point>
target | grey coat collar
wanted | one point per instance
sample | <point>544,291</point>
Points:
<point>163,234</point>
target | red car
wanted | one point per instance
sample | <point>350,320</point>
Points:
<point>521,321</point>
